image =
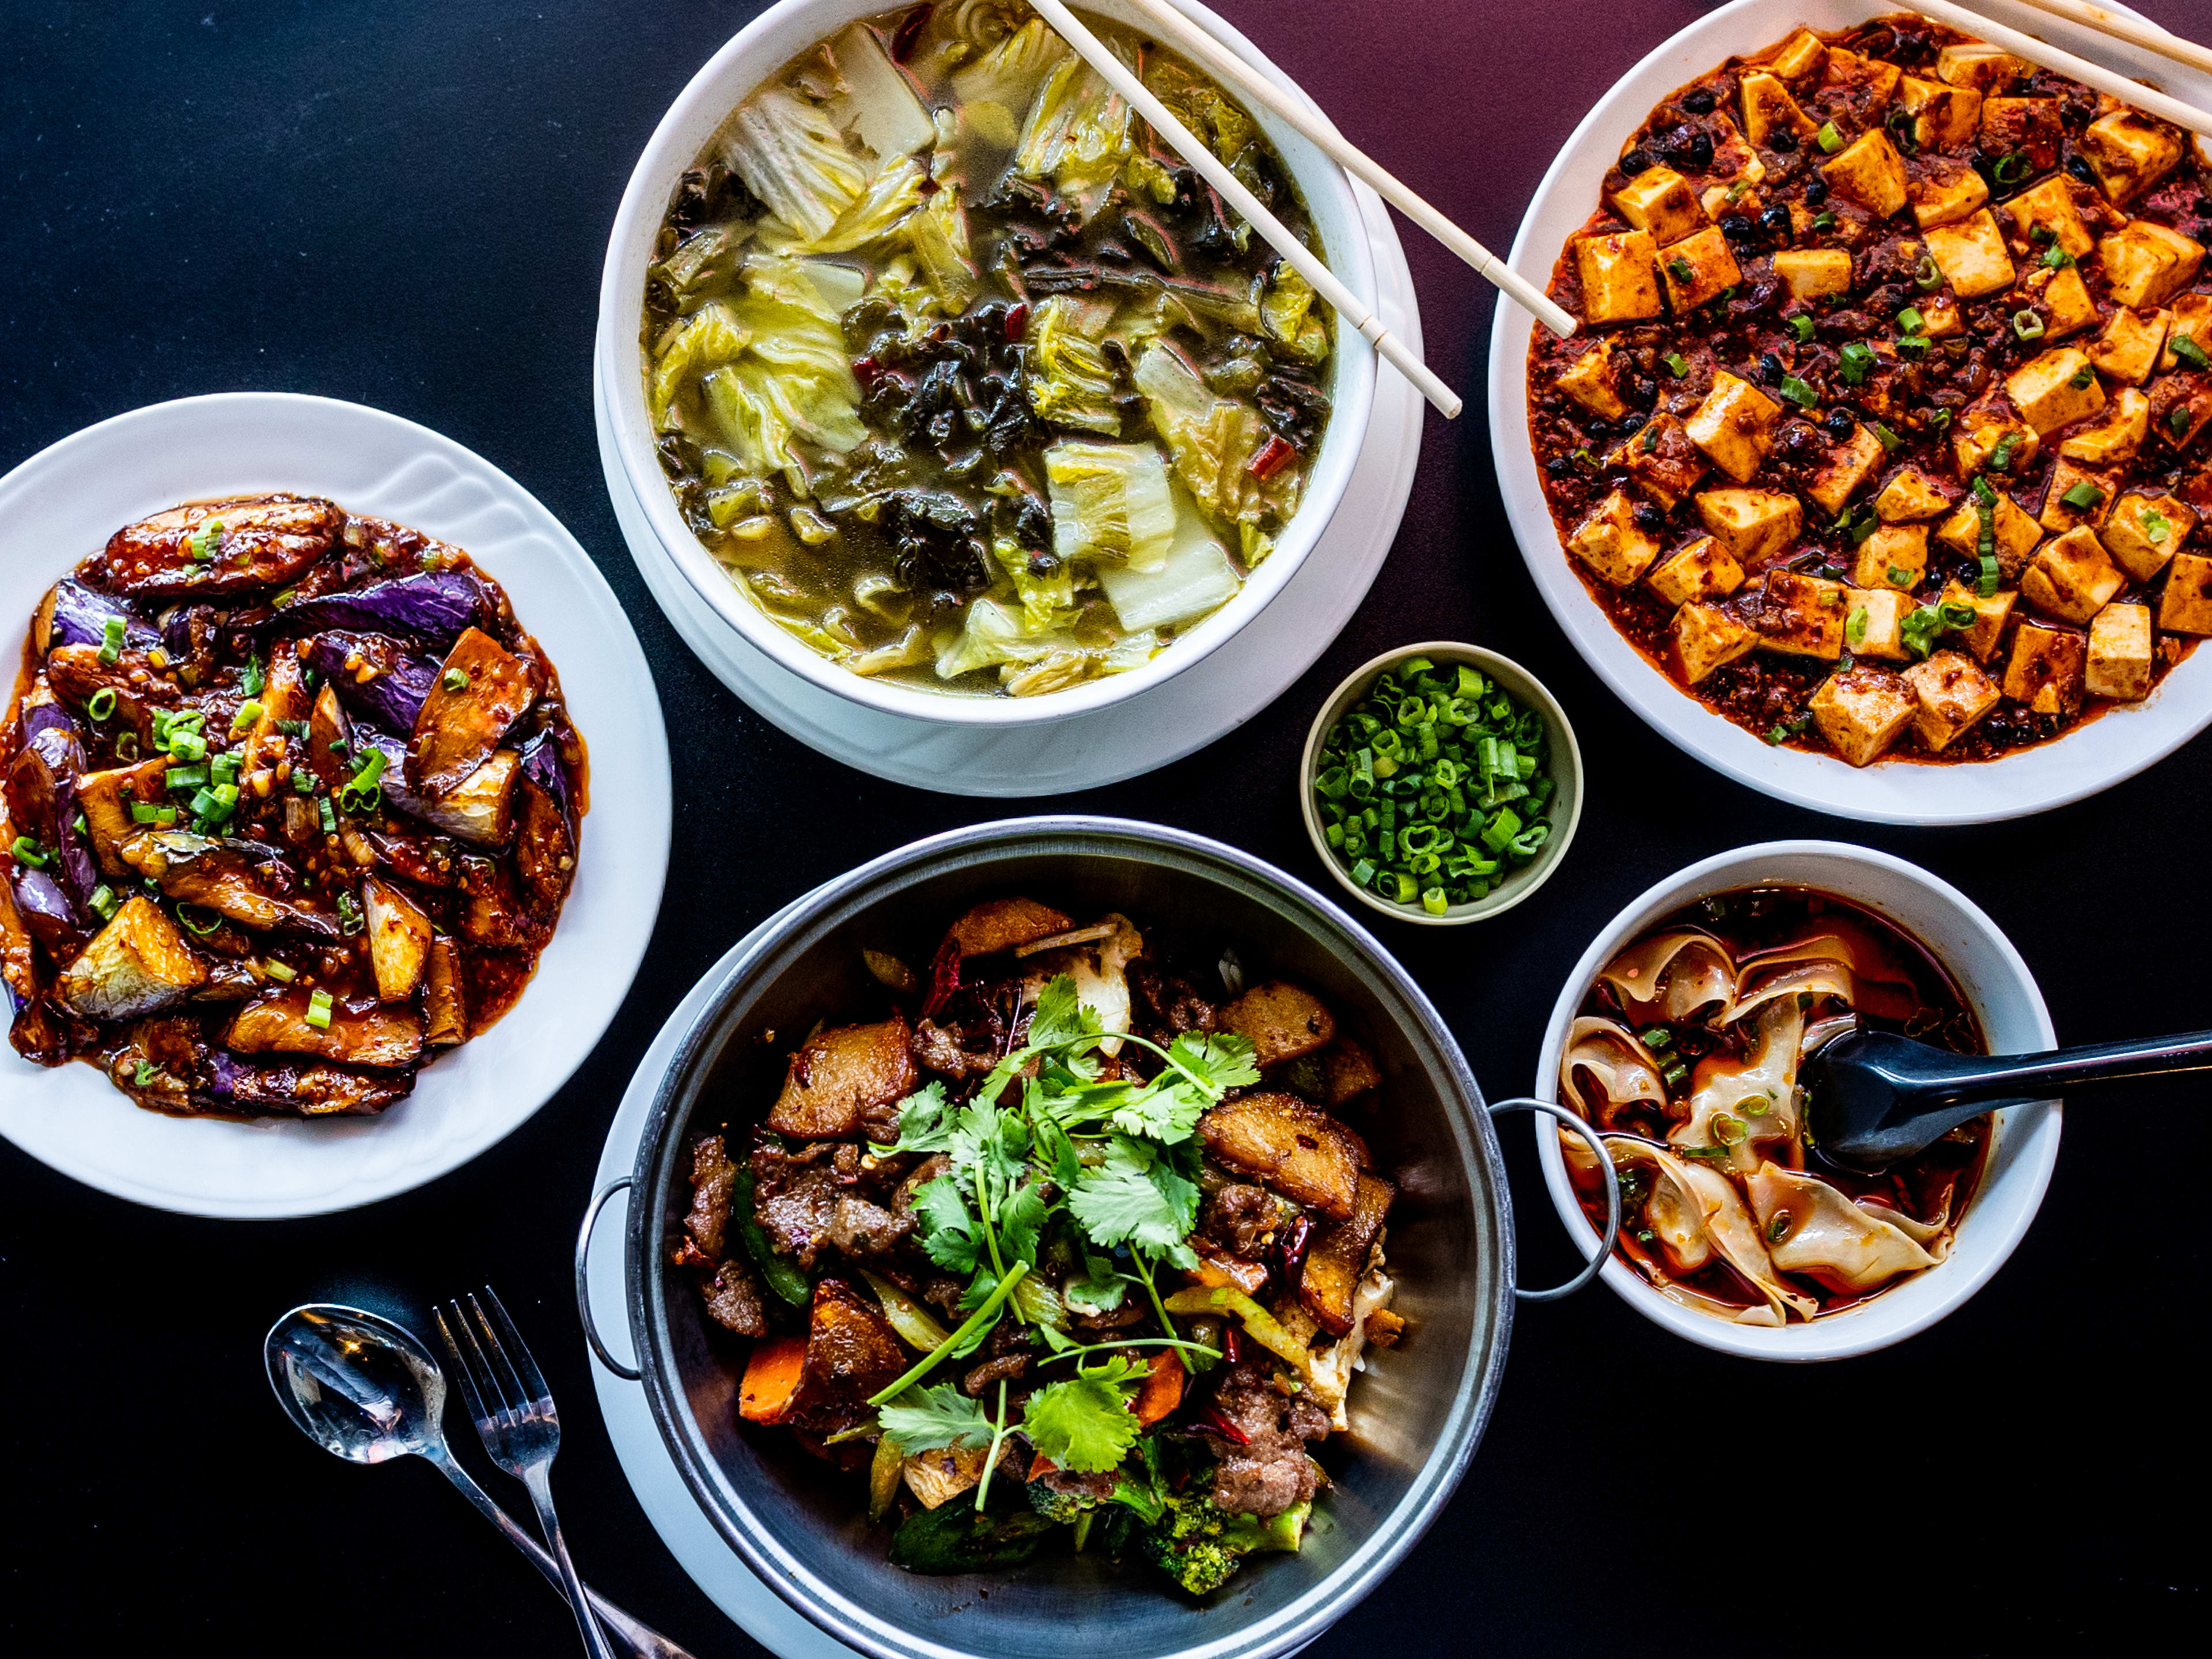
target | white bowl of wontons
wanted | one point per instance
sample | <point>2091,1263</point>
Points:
<point>1997,987</point>
<point>758,53</point>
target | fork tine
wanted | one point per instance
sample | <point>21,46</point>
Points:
<point>462,1368</point>
<point>518,1351</point>
<point>519,1399</point>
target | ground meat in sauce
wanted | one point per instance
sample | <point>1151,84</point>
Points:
<point>2054,656</point>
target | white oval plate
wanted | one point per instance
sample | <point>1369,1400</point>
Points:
<point>2115,745</point>
<point>65,503</point>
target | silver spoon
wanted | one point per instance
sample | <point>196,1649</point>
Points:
<point>364,1389</point>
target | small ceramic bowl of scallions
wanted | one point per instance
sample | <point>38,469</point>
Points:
<point>1441,783</point>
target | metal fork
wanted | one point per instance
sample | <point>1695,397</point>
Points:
<point>514,1417</point>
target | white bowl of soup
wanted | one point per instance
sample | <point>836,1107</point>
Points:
<point>1736,1233</point>
<point>883,526</point>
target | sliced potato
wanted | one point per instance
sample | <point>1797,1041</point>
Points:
<point>1281,1021</point>
<point>1337,1256</point>
<point>999,925</point>
<point>851,1348</point>
<point>839,1078</point>
<point>1303,1153</point>
<point>1348,1071</point>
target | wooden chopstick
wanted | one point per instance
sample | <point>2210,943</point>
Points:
<point>2134,31</point>
<point>1302,258</point>
<point>2050,58</point>
<point>1189,36</point>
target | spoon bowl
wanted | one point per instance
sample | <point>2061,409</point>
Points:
<point>357,1385</point>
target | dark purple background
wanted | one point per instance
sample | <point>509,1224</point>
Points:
<point>407,205</point>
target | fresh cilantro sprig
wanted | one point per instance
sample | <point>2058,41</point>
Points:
<point>937,1418</point>
<point>1085,1424</point>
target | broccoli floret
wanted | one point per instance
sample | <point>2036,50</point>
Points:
<point>1200,1545</point>
<point>1061,1506</point>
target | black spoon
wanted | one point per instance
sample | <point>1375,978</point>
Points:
<point>1872,1098</point>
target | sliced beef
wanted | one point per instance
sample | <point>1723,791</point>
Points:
<point>794,1197</point>
<point>714,1178</point>
<point>938,1048</point>
<point>980,1379</point>
<point>1268,1471</point>
<point>1166,1004</point>
<point>1240,1217</point>
<point>733,1298</point>
<point>859,1228</point>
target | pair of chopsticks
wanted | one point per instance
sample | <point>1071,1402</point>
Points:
<point>1180,31</point>
<point>2147,36</point>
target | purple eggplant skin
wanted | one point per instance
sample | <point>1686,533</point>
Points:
<point>47,914</point>
<point>392,698</point>
<point>436,605</point>
<point>73,614</point>
<point>543,766</point>
<point>42,791</point>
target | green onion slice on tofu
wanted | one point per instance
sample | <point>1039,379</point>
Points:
<point>2082,496</point>
<point>2189,352</point>
<point>1830,139</point>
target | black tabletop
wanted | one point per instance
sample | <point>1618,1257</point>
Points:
<point>406,203</point>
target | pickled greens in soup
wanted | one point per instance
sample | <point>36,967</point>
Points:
<point>1686,1054</point>
<point>969,380</point>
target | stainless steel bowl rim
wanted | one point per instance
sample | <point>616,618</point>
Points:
<point>784,1569</point>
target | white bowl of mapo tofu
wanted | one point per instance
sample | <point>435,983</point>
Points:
<point>1885,438</point>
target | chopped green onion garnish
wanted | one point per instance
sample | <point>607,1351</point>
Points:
<point>2186,349</point>
<point>2057,259</point>
<point>1802,327</point>
<point>181,778</point>
<point>102,703</point>
<point>2011,168</point>
<point>2027,324</point>
<point>330,817</point>
<point>2081,377</point>
<point>254,680</point>
<point>1855,626</point>
<point>1650,438</point>
<point>1798,392</point>
<point>2178,422</point>
<point>1898,576</point>
<point>2082,496</point>
<point>282,972</point>
<point>318,1009</point>
<point>1824,221</point>
<point>1986,583</point>
<point>111,641</point>
<point>1887,438</point>
<point>2001,456</point>
<point>1676,365</point>
<point>2155,527</point>
<point>1857,359</point>
<point>348,915</point>
<point>1911,321</point>
<point>1830,139</point>
<point>1927,275</point>
<point>144,1073</point>
<point>191,916</point>
<point>242,722</point>
<point>29,851</point>
<point>1681,269</point>
<point>103,902</point>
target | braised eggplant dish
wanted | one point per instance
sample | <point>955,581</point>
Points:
<point>292,804</point>
<point>967,379</point>
<point>1686,1054</point>
<point>1052,1243</point>
<point>1885,434</point>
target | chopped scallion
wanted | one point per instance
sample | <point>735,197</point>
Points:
<point>318,1009</point>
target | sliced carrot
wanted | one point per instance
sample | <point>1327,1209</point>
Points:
<point>772,1379</point>
<point>1163,1389</point>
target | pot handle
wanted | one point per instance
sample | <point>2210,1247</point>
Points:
<point>627,1373</point>
<point>1596,1263</point>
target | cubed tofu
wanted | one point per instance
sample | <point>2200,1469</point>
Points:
<point>2119,653</point>
<point>1733,424</point>
<point>1701,571</point>
<point>2145,531</point>
<point>1801,616</point>
<point>2130,152</point>
<point>1869,171</point>
<point>2180,408</point>
<point>1942,114</point>
<point>2070,578</point>
<point>2189,318</point>
<point>1939,318</point>
<point>1980,435</point>
<point>2186,606</point>
<point>1611,543</point>
<point>2117,438</point>
<point>1661,460</point>
<point>2054,389</point>
<point>1619,276</point>
<point>1971,255</point>
<point>2063,298</point>
<point>2147,265</point>
<point>1799,57</point>
<point>2059,515</point>
<point>1895,555</point>
<point>1592,380</point>
<point>1752,525</point>
<point>1861,712</point>
<point>1866,82</point>
<point>1985,69</point>
<point>1911,495</point>
<point>1768,106</point>
<point>1981,635</point>
<point>2051,205</point>
<point>2128,350</point>
<point>1950,692</point>
<point>1660,200</point>
<point>1850,464</point>
<point>1813,272</point>
<point>1704,637</point>
<point>2017,533</point>
<point>1944,198</point>
<point>1874,623</point>
<point>137,963</point>
<point>1698,268</point>
<point>2045,669</point>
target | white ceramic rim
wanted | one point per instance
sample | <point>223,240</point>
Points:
<point>754,53</point>
<point>2114,746</point>
<point>62,503</point>
<point>2023,1148</point>
<point>1526,879</point>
